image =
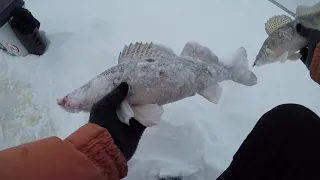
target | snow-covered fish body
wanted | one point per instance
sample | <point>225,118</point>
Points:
<point>158,76</point>
<point>284,41</point>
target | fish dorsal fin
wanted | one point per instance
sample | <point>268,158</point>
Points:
<point>197,51</point>
<point>304,10</point>
<point>142,51</point>
<point>276,22</point>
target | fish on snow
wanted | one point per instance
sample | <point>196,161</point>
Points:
<point>284,42</point>
<point>157,76</point>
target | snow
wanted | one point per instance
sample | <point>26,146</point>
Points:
<point>196,138</point>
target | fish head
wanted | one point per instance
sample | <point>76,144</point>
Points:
<point>83,98</point>
<point>275,49</point>
<point>267,54</point>
<point>75,102</point>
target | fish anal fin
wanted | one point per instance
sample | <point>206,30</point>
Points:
<point>212,93</point>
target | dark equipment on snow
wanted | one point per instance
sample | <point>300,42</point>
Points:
<point>19,30</point>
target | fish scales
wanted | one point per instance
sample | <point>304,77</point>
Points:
<point>156,75</point>
<point>178,73</point>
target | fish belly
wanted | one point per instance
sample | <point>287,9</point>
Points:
<point>150,82</point>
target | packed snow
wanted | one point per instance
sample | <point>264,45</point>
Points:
<point>196,139</point>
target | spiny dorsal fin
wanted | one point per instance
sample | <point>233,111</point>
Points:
<point>276,22</point>
<point>142,51</point>
<point>197,51</point>
<point>304,10</point>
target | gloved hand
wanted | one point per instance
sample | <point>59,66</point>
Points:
<point>103,113</point>
<point>313,37</point>
<point>311,53</point>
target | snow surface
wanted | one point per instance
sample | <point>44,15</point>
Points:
<point>196,138</point>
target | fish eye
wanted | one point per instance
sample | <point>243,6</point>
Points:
<point>269,51</point>
<point>150,60</point>
<point>271,42</point>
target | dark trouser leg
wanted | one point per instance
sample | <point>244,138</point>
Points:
<point>284,144</point>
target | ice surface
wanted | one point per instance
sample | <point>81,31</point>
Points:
<point>196,138</point>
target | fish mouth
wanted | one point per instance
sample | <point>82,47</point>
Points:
<point>254,63</point>
<point>258,62</point>
<point>66,105</point>
<point>264,56</point>
<point>261,59</point>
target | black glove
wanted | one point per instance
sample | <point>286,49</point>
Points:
<point>313,37</point>
<point>103,113</point>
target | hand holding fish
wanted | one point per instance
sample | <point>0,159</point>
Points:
<point>313,37</point>
<point>311,52</point>
<point>104,114</point>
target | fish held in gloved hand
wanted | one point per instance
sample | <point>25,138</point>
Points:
<point>157,76</point>
<point>284,42</point>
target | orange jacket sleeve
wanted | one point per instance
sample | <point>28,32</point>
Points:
<point>87,154</point>
<point>315,65</point>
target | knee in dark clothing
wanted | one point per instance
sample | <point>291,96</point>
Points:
<point>289,114</point>
<point>284,144</point>
<point>291,107</point>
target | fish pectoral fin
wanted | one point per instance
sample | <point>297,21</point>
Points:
<point>149,114</point>
<point>125,112</point>
<point>212,93</point>
<point>294,56</point>
<point>283,57</point>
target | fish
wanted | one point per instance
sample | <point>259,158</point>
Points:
<point>157,76</point>
<point>284,42</point>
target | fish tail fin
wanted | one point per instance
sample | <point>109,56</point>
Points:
<point>240,70</point>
